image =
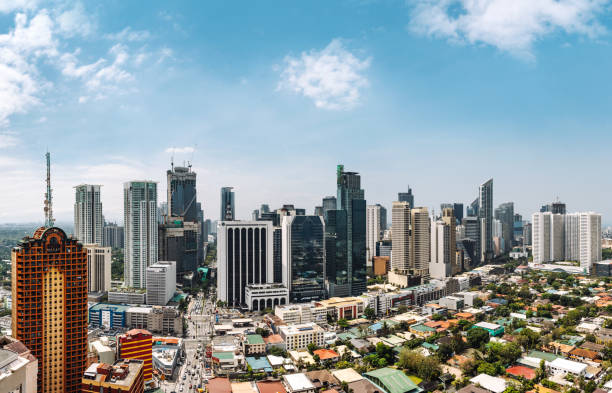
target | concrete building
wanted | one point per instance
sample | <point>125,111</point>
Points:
<point>127,296</point>
<point>376,223</point>
<point>505,214</point>
<point>179,241</point>
<point>140,221</point>
<point>548,237</point>
<point>137,344</point>
<point>343,307</point>
<point>295,314</point>
<point>299,336</point>
<point>407,197</point>
<point>18,367</point>
<point>420,242</point>
<point>454,303</point>
<point>262,296</point>
<point>88,219</point>
<point>123,376</point>
<point>400,233</point>
<point>113,236</point>
<point>442,253</point>
<point>98,268</point>
<point>485,214</point>
<point>161,282</point>
<point>245,257</point>
<point>590,240</point>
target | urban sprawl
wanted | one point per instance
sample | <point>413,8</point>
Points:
<point>469,300</point>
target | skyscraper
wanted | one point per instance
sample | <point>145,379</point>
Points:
<point>336,259</point>
<point>113,236</point>
<point>406,197</point>
<point>471,226</point>
<point>485,213</point>
<point>49,310</point>
<point>400,236</point>
<point>141,237</point>
<point>228,207</point>
<point>548,237</point>
<point>505,214</point>
<point>304,257</point>
<point>88,221</point>
<point>410,239</point>
<point>441,264</point>
<point>376,223</point>
<point>245,256</point>
<point>449,219</point>
<point>182,195</point>
<point>351,200</point>
<point>472,209</point>
<point>329,203</point>
<point>554,207</point>
<point>98,268</point>
<point>590,240</point>
<point>458,211</point>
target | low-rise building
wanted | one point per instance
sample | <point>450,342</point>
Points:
<point>18,367</point>
<point>298,383</point>
<point>299,336</point>
<point>454,303</point>
<point>254,344</point>
<point>343,307</point>
<point>564,366</point>
<point>327,355</point>
<point>125,375</point>
<point>262,296</point>
<point>301,313</point>
<point>127,296</point>
<point>492,384</point>
<point>108,316</point>
<point>493,328</point>
<point>392,380</point>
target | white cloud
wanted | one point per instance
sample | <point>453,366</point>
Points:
<point>186,149</point>
<point>332,78</point>
<point>509,25</point>
<point>106,77</point>
<point>7,6</point>
<point>8,140</point>
<point>75,21</point>
<point>128,34</point>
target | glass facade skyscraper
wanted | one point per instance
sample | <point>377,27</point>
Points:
<point>485,213</point>
<point>406,197</point>
<point>304,257</point>
<point>228,206</point>
<point>351,201</point>
<point>182,197</point>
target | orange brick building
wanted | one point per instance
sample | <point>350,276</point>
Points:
<point>49,291</point>
<point>137,344</point>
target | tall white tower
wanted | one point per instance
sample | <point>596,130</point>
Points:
<point>88,219</point>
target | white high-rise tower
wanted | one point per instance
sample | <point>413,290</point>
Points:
<point>88,219</point>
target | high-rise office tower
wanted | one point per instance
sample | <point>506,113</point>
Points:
<point>527,234</point>
<point>182,195</point>
<point>554,208</point>
<point>255,215</point>
<point>140,223</point>
<point>161,282</point>
<point>441,265</point>
<point>351,200</point>
<point>406,197</point>
<point>458,212</point>
<point>485,213</point>
<point>179,242</point>
<point>277,254</point>
<point>420,242</point>
<point>329,203</point>
<point>264,208</point>
<point>472,209</point>
<point>88,220</point>
<point>505,214</point>
<point>517,229</point>
<point>400,236</point>
<point>376,223</point>
<point>449,219</point>
<point>49,310</point>
<point>548,237</point>
<point>318,211</point>
<point>113,236</point>
<point>98,268</point>
<point>471,226</point>
<point>228,205</point>
<point>303,252</point>
<point>336,260</point>
<point>245,256</point>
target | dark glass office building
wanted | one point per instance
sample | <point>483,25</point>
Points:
<point>304,257</point>
<point>182,199</point>
<point>350,276</point>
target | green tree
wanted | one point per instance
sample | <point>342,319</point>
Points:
<point>477,337</point>
<point>343,323</point>
<point>487,368</point>
<point>478,302</point>
<point>369,313</point>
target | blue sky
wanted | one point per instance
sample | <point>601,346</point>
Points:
<point>269,97</point>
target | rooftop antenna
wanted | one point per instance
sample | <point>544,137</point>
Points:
<point>172,160</point>
<point>49,221</point>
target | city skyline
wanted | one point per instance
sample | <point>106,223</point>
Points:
<point>507,98</point>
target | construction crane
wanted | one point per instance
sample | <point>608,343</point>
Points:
<point>49,221</point>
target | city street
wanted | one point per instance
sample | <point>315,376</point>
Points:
<point>193,373</point>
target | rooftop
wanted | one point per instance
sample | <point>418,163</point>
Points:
<point>270,387</point>
<point>568,365</point>
<point>122,373</point>
<point>253,339</point>
<point>219,385</point>
<point>493,384</point>
<point>298,382</point>
<point>347,375</point>
<point>487,325</point>
<point>394,381</point>
<point>108,306</point>
<point>260,363</point>
<point>325,354</point>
